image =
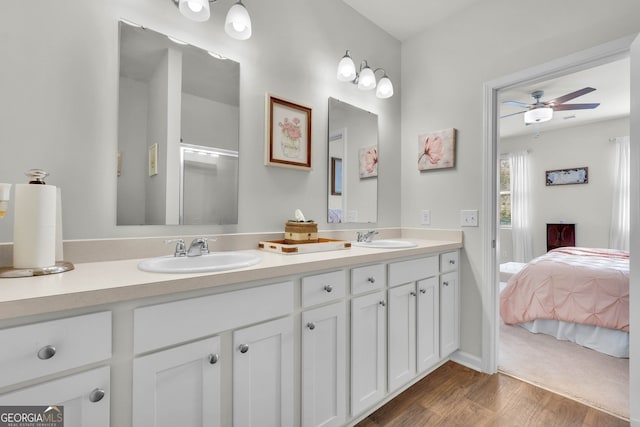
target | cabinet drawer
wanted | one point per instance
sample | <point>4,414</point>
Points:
<point>322,288</point>
<point>448,261</point>
<point>369,278</point>
<point>174,322</point>
<point>32,351</point>
<point>414,269</point>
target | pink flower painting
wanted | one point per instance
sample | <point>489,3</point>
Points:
<point>368,162</point>
<point>436,150</point>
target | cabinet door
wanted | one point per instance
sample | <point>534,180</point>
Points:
<point>428,323</point>
<point>263,375</point>
<point>449,314</point>
<point>368,350</point>
<point>323,366</point>
<point>179,386</point>
<point>402,335</point>
<point>83,397</point>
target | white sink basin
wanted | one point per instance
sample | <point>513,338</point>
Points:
<point>386,244</point>
<point>214,261</point>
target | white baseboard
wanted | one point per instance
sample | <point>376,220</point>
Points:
<point>468,360</point>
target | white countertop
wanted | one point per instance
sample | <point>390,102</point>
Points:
<point>96,283</point>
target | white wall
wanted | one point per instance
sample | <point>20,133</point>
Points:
<point>59,85</point>
<point>589,205</point>
<point>444,70</point>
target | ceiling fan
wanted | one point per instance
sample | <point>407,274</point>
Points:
<point>542,111</point>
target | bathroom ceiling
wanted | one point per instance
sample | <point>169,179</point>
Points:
<point>406,18</point>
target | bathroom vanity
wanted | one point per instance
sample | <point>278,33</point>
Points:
<point>311,339</point>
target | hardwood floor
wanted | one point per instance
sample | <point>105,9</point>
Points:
<point>454,395</point>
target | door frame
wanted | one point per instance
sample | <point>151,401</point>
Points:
<point>597,55</point>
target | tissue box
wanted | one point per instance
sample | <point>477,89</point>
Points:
<point>300,232</point>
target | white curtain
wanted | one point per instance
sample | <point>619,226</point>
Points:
<point>620,213</point>
<point>520,227</point>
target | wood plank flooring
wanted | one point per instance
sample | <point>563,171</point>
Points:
<point>454,395</point>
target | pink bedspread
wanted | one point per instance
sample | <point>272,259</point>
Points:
<point>579,285</point>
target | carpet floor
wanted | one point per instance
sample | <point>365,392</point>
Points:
<point>566,368</point>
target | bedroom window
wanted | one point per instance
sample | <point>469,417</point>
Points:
<point>505,192</point>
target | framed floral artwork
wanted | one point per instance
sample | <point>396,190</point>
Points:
<point>437,150</point>
<point>288,142</point>
<point>368,161</point>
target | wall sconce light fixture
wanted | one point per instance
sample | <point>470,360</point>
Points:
<point>237,24</point>
<point>365,78</point>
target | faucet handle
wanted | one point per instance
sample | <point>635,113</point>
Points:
<point>181,250</point>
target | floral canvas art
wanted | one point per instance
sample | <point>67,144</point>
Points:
<point>288,141</point>
<point>368,161</point>
<point>436,150</point>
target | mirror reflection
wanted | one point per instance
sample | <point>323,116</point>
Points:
<point>353,164</point>
<point>178,125</point>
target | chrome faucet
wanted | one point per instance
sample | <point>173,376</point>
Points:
<point>181,250</point>
<point>199,246</point>
<point>365,237</point>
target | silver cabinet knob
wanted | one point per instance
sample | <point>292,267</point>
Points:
<point>382,303</point>
<point>46,352</point>
<point>213,358</point>
<point>96,395</point>
<point>328,288</point>
<point>371,279</point>
<point>243,348</point>
<point>423,291</point>
<point>412,293</point>
<point>445,283</point>
<point>311,326</point>
<point>452,261</point>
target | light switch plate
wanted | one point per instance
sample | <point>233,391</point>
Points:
<point>469,218</point>
<point>425,217</point>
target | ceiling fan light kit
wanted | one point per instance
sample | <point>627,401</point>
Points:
<point>542,111</point>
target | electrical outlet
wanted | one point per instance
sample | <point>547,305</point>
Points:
<point>469,218</point>
<point>425,217</point>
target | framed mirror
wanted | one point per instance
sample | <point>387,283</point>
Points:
<point>353,164</point>
<point>178,126</point>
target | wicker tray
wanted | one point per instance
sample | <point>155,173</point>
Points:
<point>281,247</point>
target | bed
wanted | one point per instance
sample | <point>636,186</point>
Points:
<point>575,294</point>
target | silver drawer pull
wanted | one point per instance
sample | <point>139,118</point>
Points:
<point>243,348</point>
<point>382,303</point>
<point>96,395</point>
<point>445,283</point>
<point>311,326</point>
<point>328,288</point>
<point>423,291</point>
<point>371,279</point>
<point>213,358</point>
<point>413,294</point>
<point>46,352</point>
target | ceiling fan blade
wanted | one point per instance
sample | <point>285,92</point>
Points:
<point>512,114</point>
<point>563,107</point>
<point>517,104</point>
<point>569,96</point>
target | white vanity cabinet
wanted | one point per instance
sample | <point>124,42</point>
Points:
<point>84,398</point>
<point>413,319</point>
<point>179,381</point>
<point>53,348</point>
<point>323,350</point>
<point>449,304</point>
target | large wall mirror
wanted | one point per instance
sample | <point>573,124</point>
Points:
<point>178,124</point>
<point>353,164</point>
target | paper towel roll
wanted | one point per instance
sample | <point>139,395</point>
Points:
<point>34,227</point>
<point>59,248</point>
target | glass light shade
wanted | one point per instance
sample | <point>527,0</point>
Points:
<point>196,10</point>
<point>346,69</point>
<point>366,80</point>
<point>238,24</point>
<point>538,115</point>
<point>385,88</point>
